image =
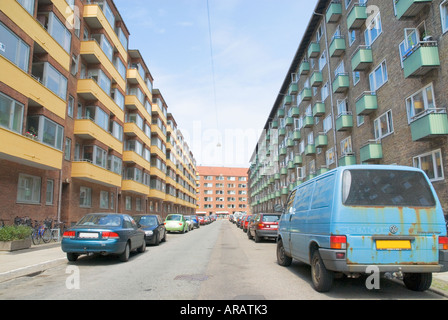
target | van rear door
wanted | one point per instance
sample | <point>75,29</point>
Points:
<point>389,217</point>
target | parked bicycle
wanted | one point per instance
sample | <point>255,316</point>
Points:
<point>41,232</point>
<point>57,231</point>
<point>24,221</point>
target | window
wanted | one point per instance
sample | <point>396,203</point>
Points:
<point>329,155</point>
<point>346,146</point>
<point>104,200</point>
<point>68,149</point>
<point>114,164</point>
<point>327,124</point>
<point>351,36</point>
<point>419,102</point>
<point>85,197</point>
<point>373,30</point>
<point>378,77</point>
<point>342,107</point>
<point>13,48</point>
<point>28,190</point>
<point>46,131</point>
<point>444,15</point>
<point>128,203</point>
<point>70,106</point>
<point>431,163</point>
<point>383,126</point>
<point>322,61</point>
<point>324,92</point>
<point>59,32</point>
<point>28,5</point>
<point>11,114</point>
<point>50,78</point>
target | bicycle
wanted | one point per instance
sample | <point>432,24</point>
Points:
<point>57,231</point>
<point>25,221</point>
<point>40,233</point>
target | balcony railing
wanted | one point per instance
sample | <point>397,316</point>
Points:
<point>421,58</point>
<point>430,123</point>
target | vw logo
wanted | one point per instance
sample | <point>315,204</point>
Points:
<point>393,229</point>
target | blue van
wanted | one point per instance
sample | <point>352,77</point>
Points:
<point>353,218</point>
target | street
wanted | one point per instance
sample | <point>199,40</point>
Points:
<point>214,262</point>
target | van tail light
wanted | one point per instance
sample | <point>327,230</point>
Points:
<point>443,243</point>
<point>69,235</point>
<point>338,242</point>
<point>109,235</point>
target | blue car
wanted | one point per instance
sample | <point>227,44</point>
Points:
<point>103,233</point>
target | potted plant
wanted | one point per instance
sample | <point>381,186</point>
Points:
<point>14,238</point>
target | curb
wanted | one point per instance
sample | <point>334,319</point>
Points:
<point>30,270</point>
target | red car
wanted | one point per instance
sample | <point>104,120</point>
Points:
<point>201,220</point>
<point>264,225</point>
<point>245,222</point>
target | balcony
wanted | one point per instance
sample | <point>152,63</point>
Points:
<point>334,12</point>
<point>284,171</point>
<point>87,171</point>
<point>372,151</point>
<point>337,46</point>
<point>287,100</point>
<point>296,136</point>
<point>409,8</point>
<point>133,76</point>
<point>321,140</point>
<point>131,157</point>
<point>281,132</point>
<point>310,150</point>
<point>431,123</point>
<point>316,79</point>
<point>344,122</point>
<point>282,152</point>
<point>298,160</point>
<point>295,112</point>
<point>318,109</point>
<point>87,129</point>
<point>304,68</point>
<point>421,59</point>
<point>357,16</point>
<point>293,88</point>
<point>134,187</point>
<point>290,143</point>
<point>341,83</point>
<point>27,151</point>
<point>289,121</point>
<point>347,160</point>
<point>281,113</point>
<point>308,121</point>
<point>314,50</point>
<point>306,94</point>
<point>362,58</point>
<point>366,103</point>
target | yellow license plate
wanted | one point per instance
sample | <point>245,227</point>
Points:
<point>393,245</point>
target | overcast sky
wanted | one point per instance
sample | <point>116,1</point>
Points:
<point>254,42</point>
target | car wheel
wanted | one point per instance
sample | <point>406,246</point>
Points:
<point>143,247</point>
<point>72,257</point>
<point>282,258</point>
<point>257,237</point>
<point>322,278</point>
<point>125,255</point>
<point>249,235</point>
<point>164,237</point>
<point>417,281</point>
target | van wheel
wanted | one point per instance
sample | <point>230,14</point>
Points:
<point>282,258</point>
<point>322,278</point>
<point>417,281</point>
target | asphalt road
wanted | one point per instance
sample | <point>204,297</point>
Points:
<point>215,262</point>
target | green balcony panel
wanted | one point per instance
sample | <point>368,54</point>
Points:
<point>282,151</point>
<point>285,191</point>
<point>274,124</point>
<point>281,113</point>
<point>296,136</point>
<point>289,121</point>
<point>314,50</point>
<point>268,137</point>
<point>291,165</point>
<point>344,122</point>
<point>429,125</point>
<point>337,46</point>
<point>357,17</point>
<point>287,100</point>
<point>304,68</point>
<point>293,88</point>
<point>295,112</point>
<point>277,176</point>
<point>341,83</point>
<point>316,79</point>
<point>306,94</point>
<point>283,171</point>
<point>334,12</point>
<point>371,152</point>
<point>308,121</point>
<point>421,60</point>
<point>409,8</point>
<point>362,58</point>
<point>318,109</point>
<point>366,104</point>
<point>278,194</point>
<point>310,150</point>
<point>321,141</point>
<point>281,132</point>
<point>298,160</point>
<point>347,160</point>
<point>290,143</point>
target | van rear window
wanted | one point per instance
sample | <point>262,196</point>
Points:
<point>370,187</point>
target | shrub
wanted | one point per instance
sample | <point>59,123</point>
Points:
<point>10,233</point>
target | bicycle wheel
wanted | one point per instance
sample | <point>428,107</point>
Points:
<point>46,235</point>
<point>35,237</point>
<point>55,235</point>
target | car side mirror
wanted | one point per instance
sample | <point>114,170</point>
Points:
<point>278,208</point>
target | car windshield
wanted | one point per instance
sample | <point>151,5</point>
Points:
<point>100,220</point>
<point>270,218</point>
<point>147,221</point>
<point>174,217</point>
<point>386,188</point>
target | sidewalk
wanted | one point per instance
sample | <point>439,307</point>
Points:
<point>42,257</point>
<point>26,262</point>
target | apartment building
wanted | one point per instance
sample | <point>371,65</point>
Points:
<point>367,85</point>
<point>222,190</point>
<point>81,127</point>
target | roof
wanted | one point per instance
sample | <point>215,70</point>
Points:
<point>224,171</point>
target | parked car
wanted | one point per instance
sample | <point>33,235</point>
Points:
<point>353,218</point>
<point>189,222</point>
<point>152,224</point>
<point>104,233</point>
<point>176,223</point>
<point>263,225</point>
<point>195,220</point>
<point>245,222</point>
<point>240,220</point>
<point>201,220</point>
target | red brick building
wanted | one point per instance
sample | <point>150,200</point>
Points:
<point>222,190</point>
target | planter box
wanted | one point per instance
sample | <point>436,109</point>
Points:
<point>15,245</point>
